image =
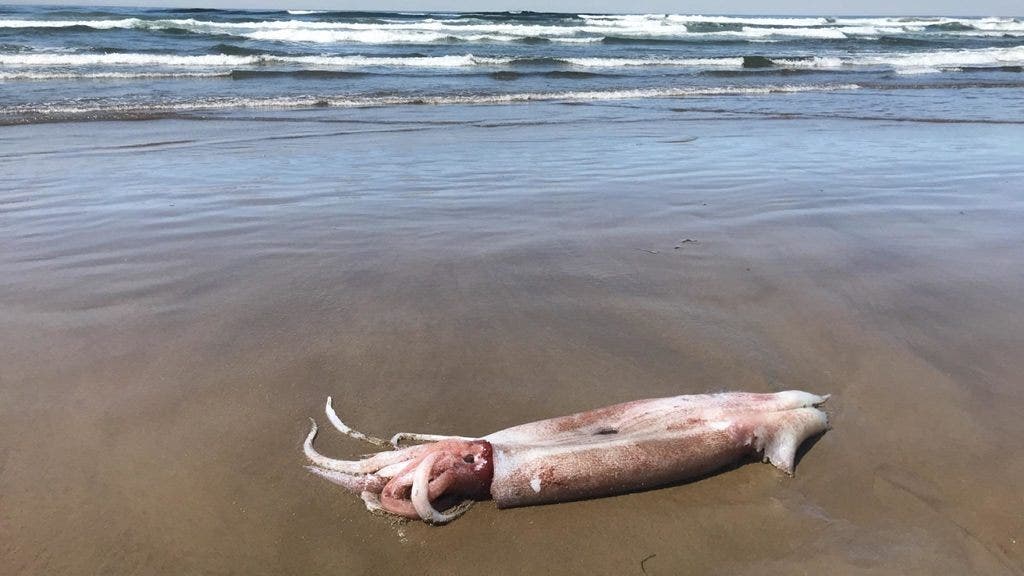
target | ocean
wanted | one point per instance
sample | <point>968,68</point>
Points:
<point>89,63</point>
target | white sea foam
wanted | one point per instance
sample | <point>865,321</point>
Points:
<point>357,101</point>
<point>949,58</point>
<point>937,59</point>
<point>63,61</point>
<point>225,60</point>
<point>931,61</point>
<point>915,71</point>
<point>370,36</point>
<point>59,60</point>
<point>666,62</point>
<point>126,59</point>
<point>100,24</point>
<point>70,75</point>
<point>751,32</point>
<point>998,24</point>
<point>634,19</point>
<point>592,28</point>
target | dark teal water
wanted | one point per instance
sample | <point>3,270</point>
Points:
<point>86,63</point>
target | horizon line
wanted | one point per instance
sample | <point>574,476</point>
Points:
<point>183,6</point>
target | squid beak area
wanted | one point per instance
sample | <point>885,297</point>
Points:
<point>474,476</point>
<point>472,468</point>
<point>459,470</point>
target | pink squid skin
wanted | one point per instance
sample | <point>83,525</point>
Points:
<point>622,448</point>
<point>460,467</point>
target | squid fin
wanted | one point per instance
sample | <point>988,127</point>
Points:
<point>788,432</point>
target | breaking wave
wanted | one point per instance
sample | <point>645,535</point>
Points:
<point>357,101</point>
<point>584,28</point>
<point>937,59</point>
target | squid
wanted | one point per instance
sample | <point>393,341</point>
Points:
<point>623,448</point>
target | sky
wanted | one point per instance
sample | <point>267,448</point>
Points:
<point>819,7</point>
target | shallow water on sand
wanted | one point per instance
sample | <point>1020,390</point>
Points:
<point>177,296</point>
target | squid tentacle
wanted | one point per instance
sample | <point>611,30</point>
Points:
<point>396,440</point>
<point>392,470</point>
<point>348,431</point>
<point>411,492</point>
<point>424,490</point>
<point>420,495</point>
<point>351,482</point>
<point>372,501</point>
<point>358,467</point>
<point>392,497</point>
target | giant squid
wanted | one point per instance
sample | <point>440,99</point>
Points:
<point>622,448</point>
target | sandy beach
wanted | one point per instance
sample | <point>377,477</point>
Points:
<point>178,299</point>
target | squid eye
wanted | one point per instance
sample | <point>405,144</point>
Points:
<point>468,458</point>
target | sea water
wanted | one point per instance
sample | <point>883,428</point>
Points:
<point>60,63</point>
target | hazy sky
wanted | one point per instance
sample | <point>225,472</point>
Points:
<point>824,7</point>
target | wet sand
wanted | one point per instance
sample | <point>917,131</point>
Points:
<point>174,306</point>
